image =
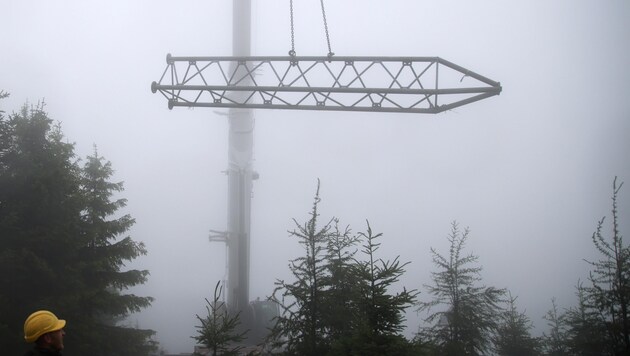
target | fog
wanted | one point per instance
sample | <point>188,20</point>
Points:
<point>529,171</point>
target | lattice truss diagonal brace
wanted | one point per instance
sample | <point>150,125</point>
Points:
<point>380,84</point>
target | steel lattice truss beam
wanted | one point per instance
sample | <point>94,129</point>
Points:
<point>378,84</point>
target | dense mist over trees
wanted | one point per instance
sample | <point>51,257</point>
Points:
<point>218,331</point>
<point>472,312</point>
<point>64,247</point>
<point>340,304</point>
<point>62,241</point>
<point>529,171</point>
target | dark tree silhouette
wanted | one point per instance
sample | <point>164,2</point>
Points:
<point>219,330</point>
<point>609,292</point>
<point>471,312</point>
<point>301,327</point>
<point>513,336</point>
<point>59,245</point>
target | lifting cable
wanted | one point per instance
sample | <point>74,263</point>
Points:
<point>330,52</point>
<point>292,51</point>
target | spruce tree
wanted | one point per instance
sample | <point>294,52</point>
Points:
<point>339,304</point>
<point>301,327</point>
<point>102,301</point>
<point>586,328</point>
<point>40,204</point>
<point>340,307</point>
<point>218,330</point>
<point>57,248</point>
<point>469,319</point>
<point>609,292</point>
<point>555,342</point>
<point>513,335</point>
<point>380,321</point>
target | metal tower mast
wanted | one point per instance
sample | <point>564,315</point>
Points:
<point>240,173</point>
<point>242,83</point>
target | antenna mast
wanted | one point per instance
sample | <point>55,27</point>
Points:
<point>240,173</point>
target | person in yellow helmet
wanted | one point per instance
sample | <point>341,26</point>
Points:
<point>45,330</point>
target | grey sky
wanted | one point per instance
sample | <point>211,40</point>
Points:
<point>529,171</point>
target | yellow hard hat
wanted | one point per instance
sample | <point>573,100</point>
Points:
<point>40,323</point>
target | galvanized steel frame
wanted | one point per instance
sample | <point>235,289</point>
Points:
<point>396,84</point>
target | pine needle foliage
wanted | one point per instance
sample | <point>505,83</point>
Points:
<point>381,314</point>
<point>469,319</point>
<point>340,307</point>
<point>301,327</point>
<point>338,303</point>
<point>62,247</point>
<point>513,336</point>
<point>609,291</point>
<point>586,327</point>
<point>554,343</point>
<point>219,329</point>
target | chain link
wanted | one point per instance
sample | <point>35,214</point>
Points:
<point>330,52</point>
<point>292,51</point>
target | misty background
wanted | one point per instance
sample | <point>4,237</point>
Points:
<point>529,171</point>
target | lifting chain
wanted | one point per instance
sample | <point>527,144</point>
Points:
<point>292,51</point>
<point>330,52</point>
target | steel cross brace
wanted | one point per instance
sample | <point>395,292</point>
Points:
<point>375,84</point>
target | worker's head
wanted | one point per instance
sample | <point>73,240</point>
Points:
<point>45,329</point>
